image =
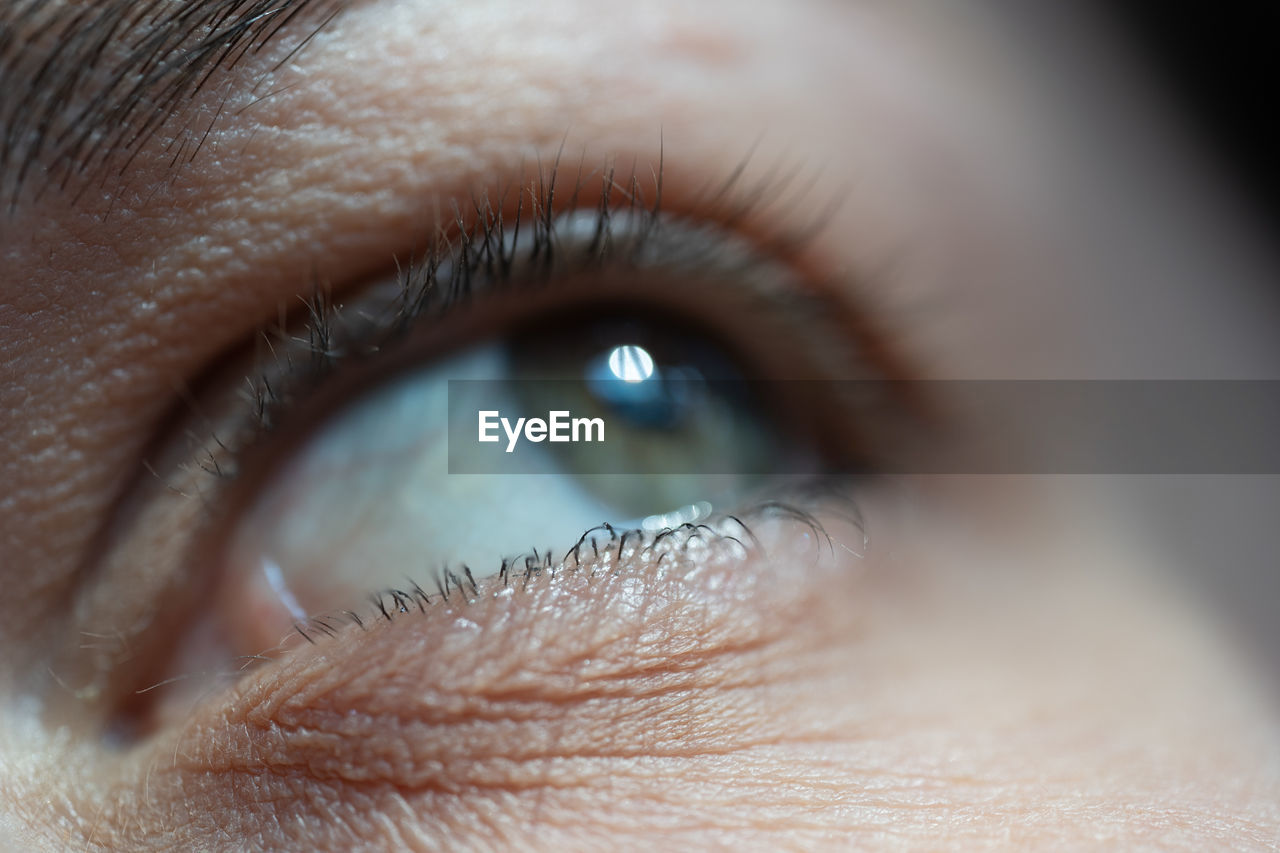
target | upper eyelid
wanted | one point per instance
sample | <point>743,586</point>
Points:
<point>294,357</point>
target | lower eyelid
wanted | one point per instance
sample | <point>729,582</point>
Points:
<point>635,659</point>
<point>714,565</point>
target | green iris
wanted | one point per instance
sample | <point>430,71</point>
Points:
<point>683,426</point>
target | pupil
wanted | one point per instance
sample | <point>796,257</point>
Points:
<point>625,382</point>
<point>683,429</point>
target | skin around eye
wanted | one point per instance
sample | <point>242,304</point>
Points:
<point>595,702</point>
<point>217,449</point>
<point>996,664</point>
<point>370,500</point>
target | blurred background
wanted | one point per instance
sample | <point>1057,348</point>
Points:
<point>1220,68</point>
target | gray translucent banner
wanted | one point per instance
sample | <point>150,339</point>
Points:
<point>804,426</point>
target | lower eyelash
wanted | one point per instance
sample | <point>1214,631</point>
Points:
<point>613,554</point>
<point>600,550</point>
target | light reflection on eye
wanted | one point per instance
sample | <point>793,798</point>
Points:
<point>685,515</point>
<point>630,363</point>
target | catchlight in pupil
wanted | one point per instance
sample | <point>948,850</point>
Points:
<point>630,363</point>
<point>626,383</point>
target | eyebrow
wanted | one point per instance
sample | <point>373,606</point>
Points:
<point>87,84</point>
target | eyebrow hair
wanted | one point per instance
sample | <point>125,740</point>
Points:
<point>88,83</point>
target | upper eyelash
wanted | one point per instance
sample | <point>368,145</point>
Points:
<point>484,250</point>
<point>480,246</point>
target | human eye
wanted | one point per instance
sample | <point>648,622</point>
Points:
<point>330,476</point>
<point>298,516</point>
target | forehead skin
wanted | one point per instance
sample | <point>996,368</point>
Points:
<point>940,137</point>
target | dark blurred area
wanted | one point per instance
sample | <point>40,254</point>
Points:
<point>1222,65</point>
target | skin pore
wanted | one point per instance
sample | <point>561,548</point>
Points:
<point>1001,663</point>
